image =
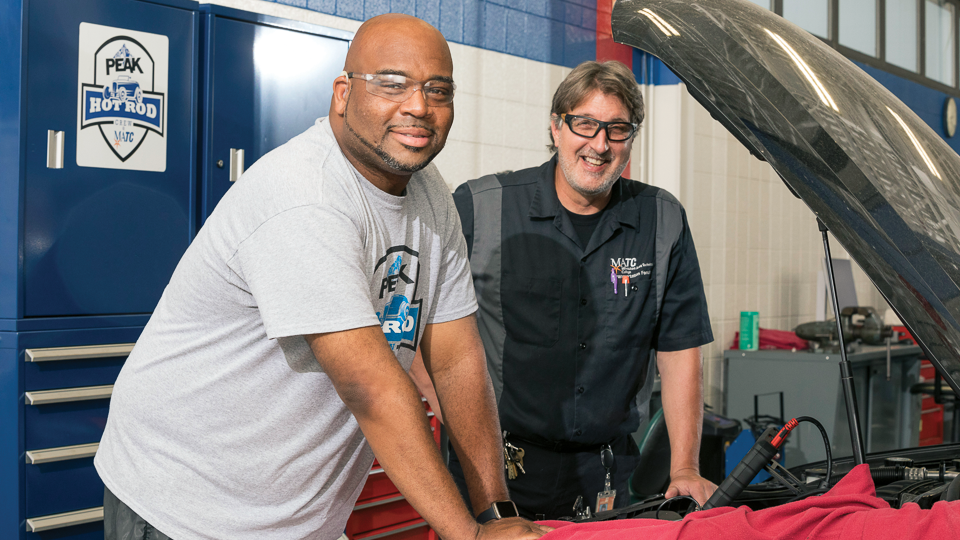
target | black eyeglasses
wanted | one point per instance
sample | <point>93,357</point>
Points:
<point>398,88</point>
<point>585,126</point>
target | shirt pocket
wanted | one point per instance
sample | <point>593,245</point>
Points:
<point>632,315</point>
<point>531,309</point>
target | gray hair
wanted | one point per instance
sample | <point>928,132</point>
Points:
<point>610,77</point>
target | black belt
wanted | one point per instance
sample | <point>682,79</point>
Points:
<point>563,447</point>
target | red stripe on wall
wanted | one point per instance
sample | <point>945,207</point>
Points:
<point>606,48</point>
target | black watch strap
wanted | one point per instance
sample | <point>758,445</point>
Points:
<point>498,510</point>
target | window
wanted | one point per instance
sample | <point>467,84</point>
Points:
<point>858,25</point>
<point>938,32</point>
<point>811,15</point>
<point>901,33</point>
<point>917,39</point>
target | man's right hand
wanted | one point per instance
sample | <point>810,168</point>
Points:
<point>511,528</point>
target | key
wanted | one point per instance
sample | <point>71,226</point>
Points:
<point>514,458</point>
<point>518,460</point>
<point>509,465</point>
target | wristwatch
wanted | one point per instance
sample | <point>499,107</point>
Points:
<point>498,510</point>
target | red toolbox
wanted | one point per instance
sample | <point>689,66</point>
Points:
<point>382,512</point>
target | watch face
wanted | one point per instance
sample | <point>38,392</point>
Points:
<point>950,116</point>
<point>505,509</point>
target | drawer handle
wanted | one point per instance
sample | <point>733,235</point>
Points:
<point>395,531</point>
<point>66,395</point>
<point>378,503</point>
<point>78,353</point>
<point>62,453</point>
<point>67,519</point>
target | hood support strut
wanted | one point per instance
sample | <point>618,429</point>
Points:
<point>846,370</point>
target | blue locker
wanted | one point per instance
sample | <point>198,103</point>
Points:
<point>93,221</point>
<point>105,212</point>
<point>266,80</point>
<point>98,198</point>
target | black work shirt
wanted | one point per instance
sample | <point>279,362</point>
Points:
<point>568,329</point>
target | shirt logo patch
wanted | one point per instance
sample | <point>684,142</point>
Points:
<point>629,267</point>
<point>399,314</point>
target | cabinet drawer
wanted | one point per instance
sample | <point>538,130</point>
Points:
<point>64,423</point>
<point>410,530</point>
<point>89,365</point>
<point>62,486</point>
<point>378,514</point>
<point>378,486</point>
<point>85,524</point>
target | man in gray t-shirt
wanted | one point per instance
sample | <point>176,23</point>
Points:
<point>276,362</point>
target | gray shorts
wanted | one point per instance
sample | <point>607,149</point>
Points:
<point>122,523</point>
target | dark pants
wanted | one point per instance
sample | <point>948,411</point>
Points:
<point>554,479</point>
<point>122,523</point>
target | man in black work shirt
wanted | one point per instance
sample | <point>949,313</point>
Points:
<point>580,274</point>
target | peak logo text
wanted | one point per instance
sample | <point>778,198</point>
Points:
<point>122,114</point>
<point>400,312</point>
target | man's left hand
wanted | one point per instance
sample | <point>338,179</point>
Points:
<point>689,482</point>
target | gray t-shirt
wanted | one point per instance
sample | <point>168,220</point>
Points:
<point>222,423</point>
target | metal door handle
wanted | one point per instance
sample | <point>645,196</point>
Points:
<point>236,163</point>
<point>67,519</point>
<point>67,395</point>
<point>62,453</point>
<point>77,353</point>
<point>54,149</point>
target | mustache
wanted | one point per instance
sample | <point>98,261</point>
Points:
<point>591,153</point>
<point>415,125</point>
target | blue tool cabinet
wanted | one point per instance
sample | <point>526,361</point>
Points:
<point>121,124</point>
<point>96,210</point>
<point>266,80</point>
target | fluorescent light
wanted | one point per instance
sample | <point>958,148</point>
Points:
<point>663,25</point>
<point>916,143</point>
<point>805,69</point>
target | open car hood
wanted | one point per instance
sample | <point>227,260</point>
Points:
<point>881,180</point>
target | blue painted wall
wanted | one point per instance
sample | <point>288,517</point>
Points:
<point>925,101</point>
<point>562,32</point>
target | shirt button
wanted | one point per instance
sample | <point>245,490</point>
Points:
<point>580,390</point>
<point>577,433</point>
<point>583,301</point>
<point>583,346</point>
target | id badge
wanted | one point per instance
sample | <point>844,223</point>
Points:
<point>605,500</point>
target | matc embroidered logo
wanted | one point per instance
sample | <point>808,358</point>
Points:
<point>399,314</point>
<point>629,267</point>
<point>123,111</point>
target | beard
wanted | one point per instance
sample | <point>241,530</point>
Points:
<point>392,161</point>
<point>571,174</point>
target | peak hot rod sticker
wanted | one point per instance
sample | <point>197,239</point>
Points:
<point>122,115</point>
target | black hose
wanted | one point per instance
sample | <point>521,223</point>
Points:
<point>695,504</point>
<point>826,446</point>
<point>885,475</point>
